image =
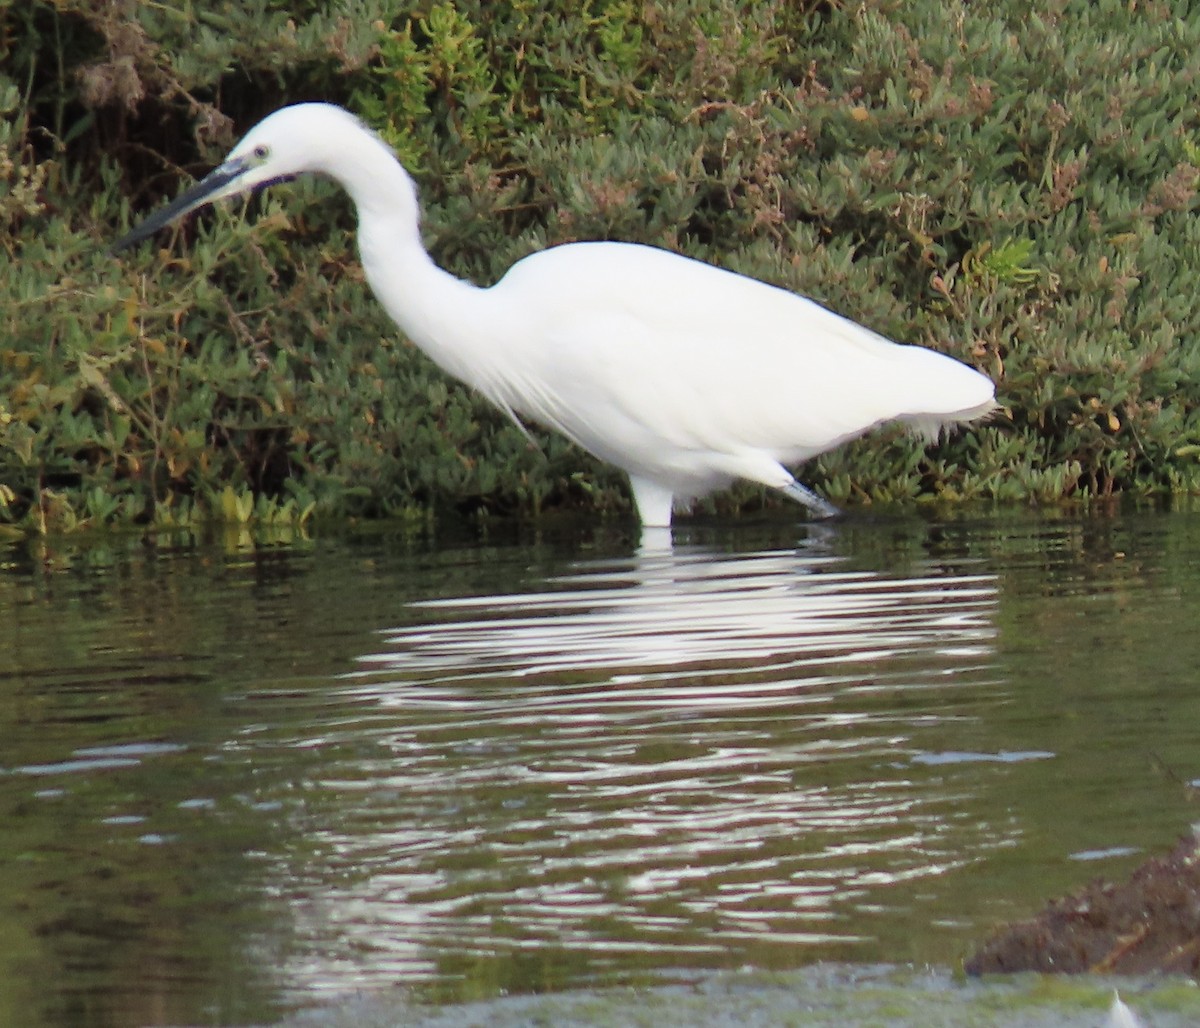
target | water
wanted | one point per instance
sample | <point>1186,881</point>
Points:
<point>235,781</point>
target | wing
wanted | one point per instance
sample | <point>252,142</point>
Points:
<point>630,345</point>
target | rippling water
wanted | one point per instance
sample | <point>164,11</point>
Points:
<point>233,779</point>
<point>642,754</point>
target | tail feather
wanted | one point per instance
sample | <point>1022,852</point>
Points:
<point>932,427</point>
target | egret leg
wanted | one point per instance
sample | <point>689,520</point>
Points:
<point>653,502</point>
<point>820,508</point>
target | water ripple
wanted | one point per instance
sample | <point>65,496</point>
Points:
<point>712,617</point>
<point>685,754</point>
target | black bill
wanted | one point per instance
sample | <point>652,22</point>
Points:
<point>189,200</point>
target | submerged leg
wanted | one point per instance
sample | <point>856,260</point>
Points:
<point>653,502</point>
<point>820,508</point>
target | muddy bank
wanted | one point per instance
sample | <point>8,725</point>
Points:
<point>1150,923</point>
<point>824,996</point>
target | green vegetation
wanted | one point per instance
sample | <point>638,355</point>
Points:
<point>1014,188</point>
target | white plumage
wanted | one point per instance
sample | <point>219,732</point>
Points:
<point>684,375</point>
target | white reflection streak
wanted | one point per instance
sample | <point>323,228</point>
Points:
<point>640,743</point>
<point>661,614</point>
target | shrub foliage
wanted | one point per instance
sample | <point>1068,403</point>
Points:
<point>1013,187</point>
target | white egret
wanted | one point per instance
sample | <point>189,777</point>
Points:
<point>684,375</point>
<point>1120,1015</point>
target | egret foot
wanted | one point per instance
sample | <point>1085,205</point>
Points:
<point>820,508</point>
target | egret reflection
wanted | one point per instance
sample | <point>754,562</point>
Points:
<point>792,618</point>
<point>674,755</point>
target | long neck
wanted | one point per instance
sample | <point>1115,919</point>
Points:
<point>446,317</point>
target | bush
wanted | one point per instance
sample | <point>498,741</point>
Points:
<point>1014,189</point>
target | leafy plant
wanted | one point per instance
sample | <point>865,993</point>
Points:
<point>1015,188</point>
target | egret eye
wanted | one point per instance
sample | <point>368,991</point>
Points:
<point>262,151</point>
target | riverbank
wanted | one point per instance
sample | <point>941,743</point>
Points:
<point>826,994</point>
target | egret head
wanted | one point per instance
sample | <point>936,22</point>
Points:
<point>294,140</point>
